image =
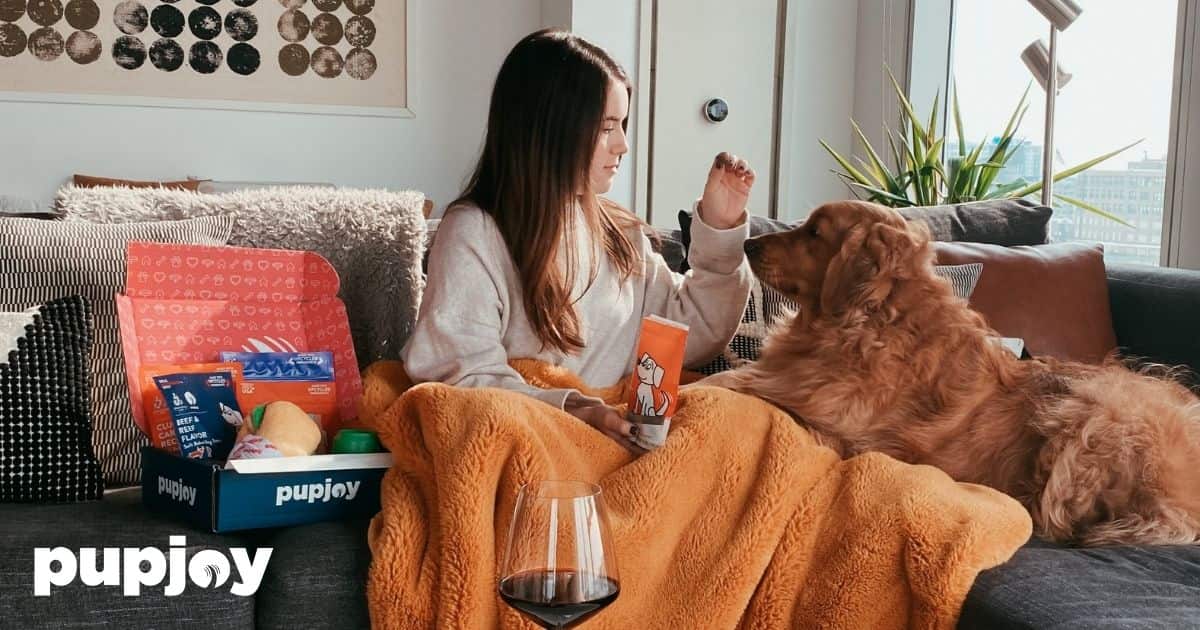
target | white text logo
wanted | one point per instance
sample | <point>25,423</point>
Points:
<point>135,567</point>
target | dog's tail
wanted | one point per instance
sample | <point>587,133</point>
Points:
<point>1121,463</point>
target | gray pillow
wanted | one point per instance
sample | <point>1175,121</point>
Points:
<point>44,260</point>
<point>1006,222</point>
<point>373,238</point>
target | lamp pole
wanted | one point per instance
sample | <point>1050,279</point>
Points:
<point>1048,144</point>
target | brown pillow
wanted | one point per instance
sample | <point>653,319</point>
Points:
<point>1055,296</point>
<point>90,181</point>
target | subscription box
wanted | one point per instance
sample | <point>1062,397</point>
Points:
<point>256,493</point>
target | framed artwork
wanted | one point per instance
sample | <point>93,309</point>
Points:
<point>311,56</point>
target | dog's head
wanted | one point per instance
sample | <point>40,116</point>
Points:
<point>648,370</point>
<point>846,256</point>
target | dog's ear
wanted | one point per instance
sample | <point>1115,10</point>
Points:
<point>848,270</point>
<point>658,376</point>
<point>898,250</point>
<point>871,259</point>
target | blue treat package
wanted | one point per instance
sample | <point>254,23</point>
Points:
<point>283,366</point>
<point>204,410</point>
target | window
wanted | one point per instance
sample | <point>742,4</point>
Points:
<point>1121,57</point>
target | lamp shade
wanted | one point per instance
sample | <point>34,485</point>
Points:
<point>1061,13</point>
<point>1037,58</point>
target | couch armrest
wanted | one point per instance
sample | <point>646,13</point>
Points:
<point>1156,313</point>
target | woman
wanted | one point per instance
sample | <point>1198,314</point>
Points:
<point>531,263</point>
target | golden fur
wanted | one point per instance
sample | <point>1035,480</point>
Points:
<point>883,357</point>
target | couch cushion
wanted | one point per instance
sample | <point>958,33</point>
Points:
<point>92,181</point>
<point>45,260</point>
<point>997,221</point>
<point>45,419</point>
<point>1154,313</point>
<point>1055,297</point>
<point>119,520</point>
<point>1050,586</point>
<point>317,577</point>
<point>373,238</point>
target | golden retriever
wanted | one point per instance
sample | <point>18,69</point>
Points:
<point>882,356</point>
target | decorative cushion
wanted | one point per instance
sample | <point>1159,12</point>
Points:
<point>766,307</point>
<point>43,260</point>
<point>91,181</point>
<point>1055,296</point>
<point>996,221</point>
<point>373,238</point>
<point>18,207</point>
<point>45,416</point>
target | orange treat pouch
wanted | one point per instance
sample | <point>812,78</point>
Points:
<point>654,385</point>
<point>159,424</point>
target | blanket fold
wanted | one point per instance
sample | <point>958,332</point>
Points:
<point>740,521</point>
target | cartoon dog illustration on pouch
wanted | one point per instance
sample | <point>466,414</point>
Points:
<point>650,377</point>
<point>232,416</point>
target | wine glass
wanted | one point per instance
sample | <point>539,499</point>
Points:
<point>560,566</point>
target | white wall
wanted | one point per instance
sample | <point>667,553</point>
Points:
<point>612,25</point>
<point>818,97</point>
<point>457,44</point>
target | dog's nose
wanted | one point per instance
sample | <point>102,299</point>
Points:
<point>751,246</point>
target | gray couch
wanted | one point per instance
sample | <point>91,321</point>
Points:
<point>317,574</point>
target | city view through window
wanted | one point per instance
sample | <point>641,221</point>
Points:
<point>1121,58</point>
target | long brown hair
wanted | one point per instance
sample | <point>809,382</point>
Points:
<point>545,118</point>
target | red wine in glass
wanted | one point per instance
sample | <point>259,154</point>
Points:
<point>566,605</point>
<point>559,568</point>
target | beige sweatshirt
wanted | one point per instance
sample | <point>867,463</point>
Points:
<point>472,318</point>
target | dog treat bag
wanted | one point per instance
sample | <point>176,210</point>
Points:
<point>303,378</point>
<point>205,411</point>
<point>160,426</point>
<point>654,385</point>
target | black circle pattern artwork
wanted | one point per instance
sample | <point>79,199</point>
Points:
<point>166,55</point>
<point>129,52</point>
<point>131,17</point>
<point>241,25</point>
<point>167,20</point>
<point>44,12</point>
<point>328,30</point>
<point>243,58</point>
<point>46,44</point>
<point>205,22</point>
<point>11,11</point>
<point>205,57</point>
<point>84,47</point>
<point>329,38</point>
<point>83,14</point>
<point>13,40</point>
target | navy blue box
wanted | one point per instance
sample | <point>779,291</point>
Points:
<point>262,493</point>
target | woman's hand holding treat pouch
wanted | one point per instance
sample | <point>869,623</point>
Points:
<point>654,384</point>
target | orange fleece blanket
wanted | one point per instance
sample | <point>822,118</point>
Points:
<point>740,521</point>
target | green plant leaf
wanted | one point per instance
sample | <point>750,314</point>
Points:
<point>1093,209</point>
<point>962,147</point>
<point>897,201</point>
<point>1082,166</point>
<point>850,170</point>
<point>1003,189</point>
<point>883,176</point>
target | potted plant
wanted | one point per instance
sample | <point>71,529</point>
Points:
<point>922,177</point>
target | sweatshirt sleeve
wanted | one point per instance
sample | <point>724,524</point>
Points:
<point>711,297</point>
<point>457,339</point>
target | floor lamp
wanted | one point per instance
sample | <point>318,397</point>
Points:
<point>1040,59</point>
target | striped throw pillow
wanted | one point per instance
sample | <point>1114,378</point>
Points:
<point>44,260</point>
